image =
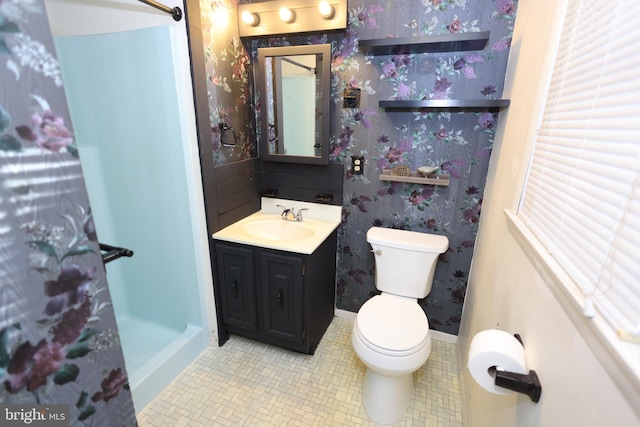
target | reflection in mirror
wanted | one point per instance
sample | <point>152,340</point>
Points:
<point>294,87</point>
<point>296,94</point>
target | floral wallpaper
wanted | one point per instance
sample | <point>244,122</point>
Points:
<point>59,342</point>
<point>458,143</point>
<point>229,81</point>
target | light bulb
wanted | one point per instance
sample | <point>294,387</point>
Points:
<point>326,10</point>
<point>287,14</point>
<point>250,18</point>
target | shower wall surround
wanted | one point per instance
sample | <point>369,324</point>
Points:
<point>459,143</point>
<point>59,342</point>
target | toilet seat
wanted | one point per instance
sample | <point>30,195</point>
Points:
<point>393,326</point>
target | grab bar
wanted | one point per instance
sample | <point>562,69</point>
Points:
<point>176,12</point>
<point>114,252</point>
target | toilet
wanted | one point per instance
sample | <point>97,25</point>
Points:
<point>391,332</point>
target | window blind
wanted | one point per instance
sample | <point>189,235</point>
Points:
<point>581,197</point>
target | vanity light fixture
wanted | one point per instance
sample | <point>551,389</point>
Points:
<point>326,10</point>
<point>250,19</point>
<point>287,15</point>
<point>279,17</point>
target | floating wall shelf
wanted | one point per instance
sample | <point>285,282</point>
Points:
<point>425,44</point>
<point>433,44</point>
<point>416,178</point>
<point>446,104</point>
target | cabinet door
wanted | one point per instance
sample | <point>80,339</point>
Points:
<point>237,286</point>
<point>282,296</point>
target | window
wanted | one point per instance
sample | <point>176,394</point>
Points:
<point>582,192</point>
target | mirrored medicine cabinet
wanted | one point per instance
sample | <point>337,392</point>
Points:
<point>294,88</point>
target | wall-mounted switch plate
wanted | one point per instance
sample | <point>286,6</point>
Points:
<point>351,98</point>
<point>357,165</point>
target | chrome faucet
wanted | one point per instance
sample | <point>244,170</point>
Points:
<point>288,214</point>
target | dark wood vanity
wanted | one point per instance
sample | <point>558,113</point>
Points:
<point>281,298</point>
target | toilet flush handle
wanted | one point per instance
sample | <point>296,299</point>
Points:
<point>377,252</point>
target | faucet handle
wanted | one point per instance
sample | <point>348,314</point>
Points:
<point>299,214</point>
<point>284,210</point>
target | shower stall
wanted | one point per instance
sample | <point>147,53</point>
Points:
<point>129,123</point>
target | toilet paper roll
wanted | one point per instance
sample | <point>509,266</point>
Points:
<point>493,349</point>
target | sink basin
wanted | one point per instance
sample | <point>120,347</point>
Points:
<point>266,228</point>
<point>277,229</point>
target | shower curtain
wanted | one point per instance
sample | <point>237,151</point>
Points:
<point>59,343</point>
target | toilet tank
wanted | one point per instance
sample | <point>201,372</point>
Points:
<point>405,260</point>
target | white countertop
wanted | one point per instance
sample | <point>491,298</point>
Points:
<point>320,218</point>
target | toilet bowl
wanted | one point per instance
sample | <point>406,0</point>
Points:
<point>391,351</point>
<point>391,332</point>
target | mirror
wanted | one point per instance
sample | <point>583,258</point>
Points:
<point>293,82</point>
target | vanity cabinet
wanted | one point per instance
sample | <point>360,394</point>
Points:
<point>281,298</point>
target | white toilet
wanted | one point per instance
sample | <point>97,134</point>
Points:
<point>391,332</point>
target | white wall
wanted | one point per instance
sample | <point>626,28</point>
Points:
<point>506,291</point>
<point>80,17</point>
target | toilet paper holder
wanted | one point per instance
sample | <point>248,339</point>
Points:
<point>528,384</point>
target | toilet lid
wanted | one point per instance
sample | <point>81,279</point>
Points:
<point>393,324</point>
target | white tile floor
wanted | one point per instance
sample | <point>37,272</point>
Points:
<point>253,384</point>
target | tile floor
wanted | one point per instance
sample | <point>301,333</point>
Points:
<point>247,383</point>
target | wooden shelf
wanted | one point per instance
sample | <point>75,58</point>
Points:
<point>446,104</point>
<point>425,44</point>
<point>416,178</point>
